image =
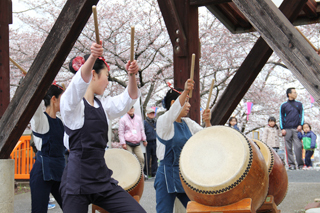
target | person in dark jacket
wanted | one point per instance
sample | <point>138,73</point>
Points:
<point>150,130</point>
<point>291,119</point>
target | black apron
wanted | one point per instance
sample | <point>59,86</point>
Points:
<point>86,171</point>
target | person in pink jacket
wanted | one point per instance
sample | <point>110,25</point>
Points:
<point>131,133</point>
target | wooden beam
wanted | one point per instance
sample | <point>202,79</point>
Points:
<point>311,9</point>
<point>42,72</point>
<point>5,20</point>
<point>174,26</point>
<point>182,65</point>
<point>249,70</point>
<point>285,40</point>
<point>199,3</point>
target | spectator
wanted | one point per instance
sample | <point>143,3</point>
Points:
<point>150,130</point>
<point>291,119</point>
<point>131,133</point>
<point>271,134</point>
<point>309,140</point>
<point>233,123</point>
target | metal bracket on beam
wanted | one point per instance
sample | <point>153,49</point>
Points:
<point>174,26</point>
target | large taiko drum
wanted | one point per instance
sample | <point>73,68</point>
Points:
<point>278,177</point>
<point>126,170</point>
<point>219,166</point>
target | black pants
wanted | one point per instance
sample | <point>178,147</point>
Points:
<point>116,201</point>
<point>151,154</point>
<point>40,190</point>
<point>307,158</point>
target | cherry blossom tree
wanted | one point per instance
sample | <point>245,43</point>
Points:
<point>222,53</point>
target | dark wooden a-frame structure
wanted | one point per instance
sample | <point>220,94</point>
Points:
<point>181,18</point>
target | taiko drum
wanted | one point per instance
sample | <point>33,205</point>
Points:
<point>126,170</point>
<point>278,177</point>
<point>220,166</point>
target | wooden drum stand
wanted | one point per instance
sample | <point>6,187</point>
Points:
<point>242,206</point>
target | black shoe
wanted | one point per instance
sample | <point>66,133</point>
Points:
<point>292,168</point>
<point>300,167</point>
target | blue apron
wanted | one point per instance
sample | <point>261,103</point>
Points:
<point>170,163</point>
<point>86,171</point>
<point>51,157</point>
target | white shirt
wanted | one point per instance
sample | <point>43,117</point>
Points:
<point>72,106</point>
<point>165,126</point>
<point>39,124</point>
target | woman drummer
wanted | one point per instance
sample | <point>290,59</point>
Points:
<point>86,178</point>
<point>47,129</point>
<point>174,131</point>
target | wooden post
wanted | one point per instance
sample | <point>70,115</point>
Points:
<point>286,41</point>
<point>5,20</point>
<point>182,24</point>
<point>182,66</point>
<point>249,70</point>
<point>42,72</point>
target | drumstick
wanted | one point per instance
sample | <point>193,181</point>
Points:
<point>210,93</point>
<point>63,86</point>
<point>95,17</point>
<point>307,40</point>
<point>15,63</point>
<point>132,46</point>
<point>192,71</point>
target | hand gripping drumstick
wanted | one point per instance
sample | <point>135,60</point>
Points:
<point>15,63</point>
<point>132,46</point>
<point>95,17</point>
<point>210,93</point>
<point>192,71</point>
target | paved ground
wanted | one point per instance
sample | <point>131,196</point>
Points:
<point>304,187</point>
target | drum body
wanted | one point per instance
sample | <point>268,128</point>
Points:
<point>219,166</point>
<point>278,177</point>
<point>126,170</point>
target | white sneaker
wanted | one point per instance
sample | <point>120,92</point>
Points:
<point>51,200</point>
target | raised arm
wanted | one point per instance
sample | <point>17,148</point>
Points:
<point>96,51</point>
<point>132,68</point>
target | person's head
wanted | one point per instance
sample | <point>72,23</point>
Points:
<point>100,75</point>
<point>306,127</point>
<point>100,72</point>
<point>233,121</point>
<point>272,121</point>
<point>131,111</point>
<point>291,93</point>
<point>52,98</point>
<point>171,97</point>
<point>151,113</point>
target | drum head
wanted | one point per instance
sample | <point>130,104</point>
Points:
<point>125,166</point>
<point>266,152</point>
<point>215,160</point>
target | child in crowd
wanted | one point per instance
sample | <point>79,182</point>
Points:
<point>86,178</point>
<point>174,129</point>
<point>233,123</point>
<point>309,140</point>
<point>272,133</point>
<point>46,173</point>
